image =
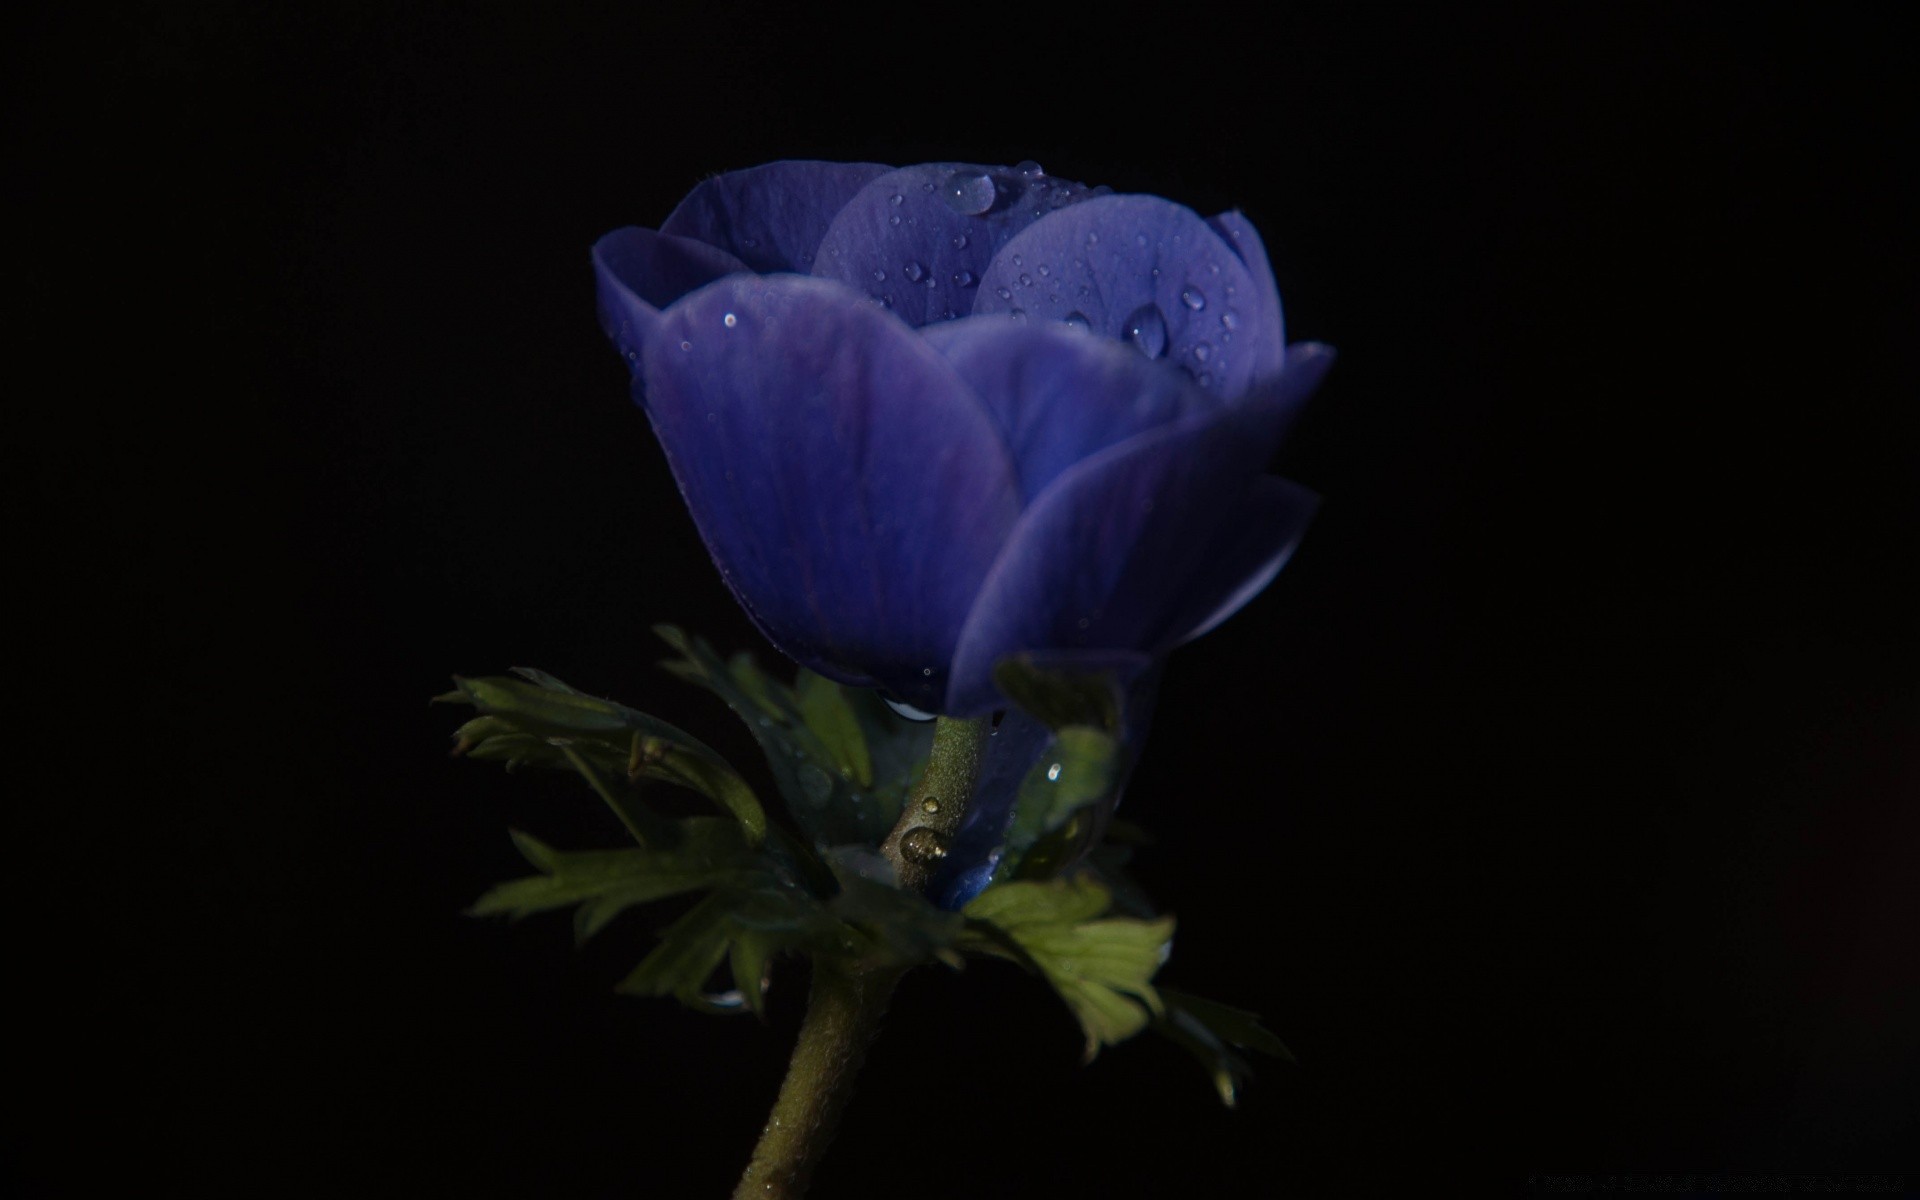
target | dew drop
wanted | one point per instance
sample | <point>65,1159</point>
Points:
<point>1005,293</point>
<point>923,846</point>
<point>1018,314</point>
<point>1018,261</point>
<point>969,192</point>
<point>895,199</point>
<point>1230,319</point>
<point>729,320</point>
<point>930,806</point>
<point>1202,351</point>
<point>1093,239</point>
<point>1044,270</point>
<point>879,276</point>
<point>1193,298</point>
<point>1026,280</point>
<point>893,219</point>
<point>1147,330</point>
<point>959,241</point>
<point>926,670</point>
<point>1029,168</point>
<point>964,279</point>
<point>686,345</point>
<point>1053,773</point>
<point>914,272</point>
<point>1077,320</point>
<point>1140,240</point>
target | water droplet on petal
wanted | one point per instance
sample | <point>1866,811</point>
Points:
<point>1194,298</point>
<point>1230,319</point>
<point>1077,320</point>
<point>1147,330</point>
<point>1093,239</point>
<point>1026,280</point>
<point>1005,293</point>
<point>1205,379</point>
<point>879,276</point>
<point>1018,314</point>
<point>923,846</point>
<point>1044,270</point>
<point>1018,261</point>
<point>1202,351</point>
<point>1029,168</point>
<point>964,279</point>
<point>914,272</point>
<point>959,241</point>
<point>895,199</point>
<point>729,320</point>
<point>750,243</point>
<point>1140,240</point>
<point>893,219</point>
<point>926,670</point>
<point>969,192</point>
<point>686,345</point>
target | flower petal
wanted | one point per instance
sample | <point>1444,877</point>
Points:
<point>639,272</point>
<point>1138,269</point>
<point>851,490</point>
<point>773,216</point>
<point>1104,557</point>
<point>1266,327</point>
<point>1247,553</point>
<point>1059,394</point>
<point>919,239</point>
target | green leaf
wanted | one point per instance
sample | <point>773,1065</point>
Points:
<point>537,719</point>
<point>708,852</point>
<point>1054,811</point>
<point>901,927</point>
<point>819,775</point>
<point>1210,1031</point>
<point>824,707</point>
<point>1102,968</point>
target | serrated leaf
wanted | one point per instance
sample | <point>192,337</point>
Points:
<point>827,712</point>
<point>708,852</point>
<point>689,951</point>
<point>1102,968</point>
<point>819,784</point>
<point>1210,1031</point>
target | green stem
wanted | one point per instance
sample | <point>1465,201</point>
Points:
<point>933,811</point>
<point>843,1014</point>
<point>847,1002</point>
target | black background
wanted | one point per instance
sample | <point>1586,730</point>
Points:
<point>1556,805</point>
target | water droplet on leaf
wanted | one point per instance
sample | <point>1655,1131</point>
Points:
<point>969,192</point>
<point>1147,330</point>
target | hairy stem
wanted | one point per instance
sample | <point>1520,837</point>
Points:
<point>843,1014</point>
<point>847,1001</point>
<point>932,814</point>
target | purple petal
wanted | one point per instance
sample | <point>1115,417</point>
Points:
<point>639,272</point>
<point>1246,554</point>
<point>851,490</point>
<point>919,239</point>
<point>1106,557</point>
<point>1265,324</point>
<point>1137,269</point>
<point>1059,395</point>
<point>770,217</point>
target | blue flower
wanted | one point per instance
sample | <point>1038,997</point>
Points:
<point>929,417</point>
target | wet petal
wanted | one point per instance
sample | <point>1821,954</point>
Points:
<point>771,217</point>
<point>1137,269</point>
<point>1060,395</point>
<point>850,488</point>
<point>1104,558</point>
<point>1265,323</point>
<point>639,272</point>
<point>919,239</point>
<point>1247,553</point>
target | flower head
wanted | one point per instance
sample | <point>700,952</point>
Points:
<point>930,417</point>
